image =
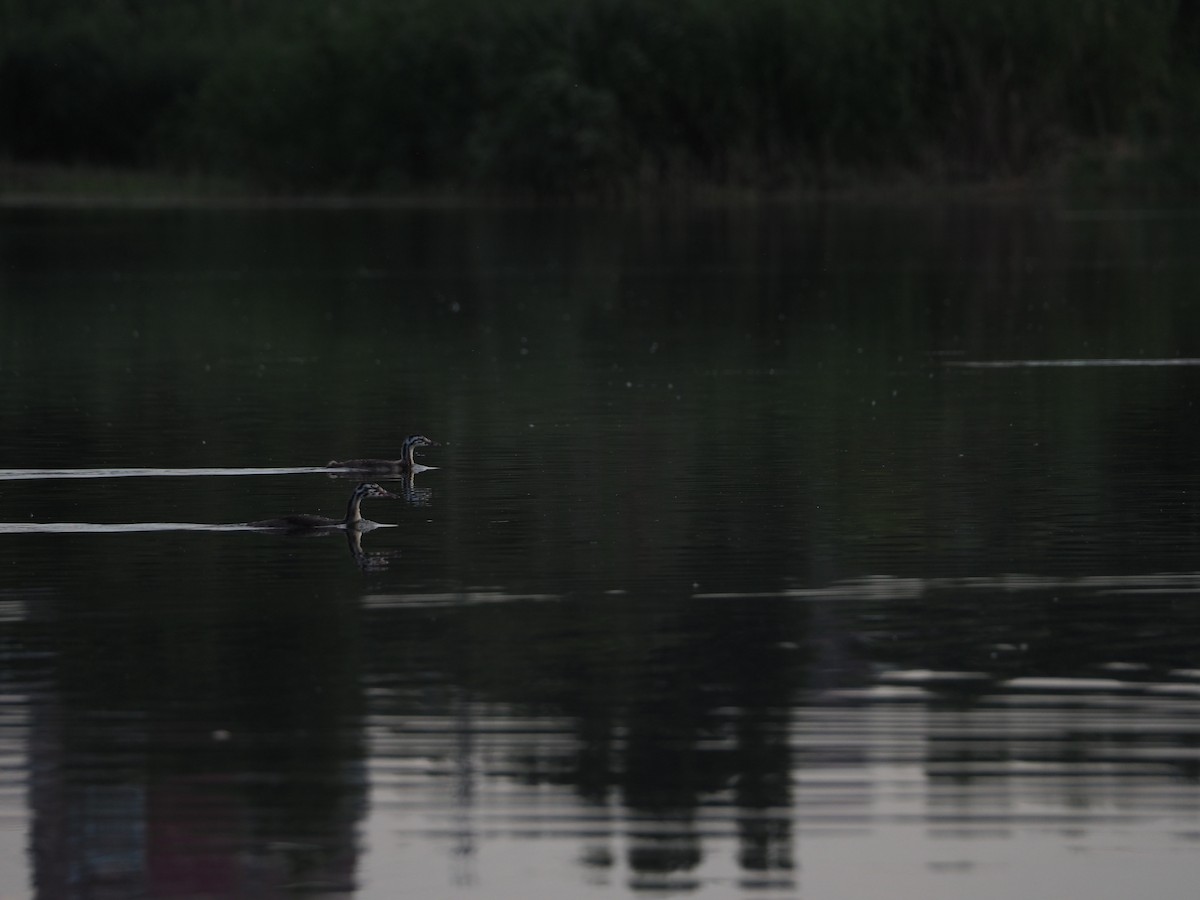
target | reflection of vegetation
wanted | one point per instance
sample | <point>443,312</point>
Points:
<point>675,701</point>
<point>722,398</point>
<point>556,95</point>
<point>231,716</point>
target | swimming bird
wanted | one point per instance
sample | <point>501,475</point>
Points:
<point>353,520</point>
<point>406,463</point>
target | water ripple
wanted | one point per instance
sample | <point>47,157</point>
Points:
<point>60,474</point>
<point>1101,363</point>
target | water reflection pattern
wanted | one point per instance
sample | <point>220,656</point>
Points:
<point>740,574</point>
<point>707,756</point>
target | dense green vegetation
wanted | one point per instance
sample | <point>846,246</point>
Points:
<point>569,95</point>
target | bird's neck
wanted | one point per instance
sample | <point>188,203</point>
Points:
<point>353,513</point>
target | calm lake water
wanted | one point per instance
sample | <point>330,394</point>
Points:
<point>833,552</point>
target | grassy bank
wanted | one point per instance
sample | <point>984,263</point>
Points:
<point>552,97</point>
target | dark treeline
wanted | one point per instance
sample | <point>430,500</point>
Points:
<point>566,95</point>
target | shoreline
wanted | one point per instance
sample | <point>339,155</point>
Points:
<point>52,186</point>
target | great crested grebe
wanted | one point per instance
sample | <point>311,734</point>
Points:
<point>406,463</point>
<point>352,522</point>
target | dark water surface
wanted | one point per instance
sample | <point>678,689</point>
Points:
<point>824,552</point>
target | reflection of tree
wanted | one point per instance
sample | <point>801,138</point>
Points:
<point>677,705</point>
<point>195,746</point>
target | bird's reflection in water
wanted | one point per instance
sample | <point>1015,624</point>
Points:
<point>403,485</point>
<point>375,561</point>
<point>406,487</point>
